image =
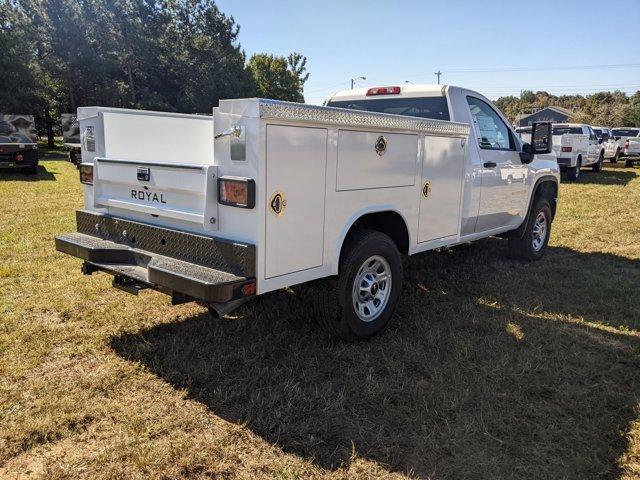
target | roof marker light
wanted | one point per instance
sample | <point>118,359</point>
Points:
<point>383,91</point>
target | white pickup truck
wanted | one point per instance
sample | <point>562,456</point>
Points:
<point>624,138</point>
<point>268,194</point>
<point>576,145</point>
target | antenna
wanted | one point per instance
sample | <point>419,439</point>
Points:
<point>438,73</point>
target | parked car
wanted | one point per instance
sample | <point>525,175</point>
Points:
<point>18,145</point>
<point>631,151</point>
<point>620,136</point>
<point>291,193</point>
<point>576,146</point>
<point>608,145</point>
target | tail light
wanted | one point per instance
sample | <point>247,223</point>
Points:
<point>19,157</point>
<point>566,149</point>
<point>237,192</point>
<point>86,173</point>
<point>383,91</point>
<point>626,145</point>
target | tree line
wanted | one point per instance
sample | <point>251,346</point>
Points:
<point>167,55</point>
<point>611,109</point>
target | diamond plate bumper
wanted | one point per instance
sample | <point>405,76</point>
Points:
<point>171,261</point>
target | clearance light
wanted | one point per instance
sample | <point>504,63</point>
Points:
<point>383,91</point>
<point>237,192</point>
<point>86,173</point>
<point>566,149</point>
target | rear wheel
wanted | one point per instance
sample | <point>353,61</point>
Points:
<point>616,156</point>
<point>628,163</point>
<point>361,300</point>
<point>598,165</point>
<point>572,173</point>
<point>533,243</point>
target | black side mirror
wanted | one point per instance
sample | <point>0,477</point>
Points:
<point>600,140</point>
<point>541,138</point>
<point>616,138</point>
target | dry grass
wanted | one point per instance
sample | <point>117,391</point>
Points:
<point>493,369</point>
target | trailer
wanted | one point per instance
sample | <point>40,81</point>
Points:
<point>18,143</point>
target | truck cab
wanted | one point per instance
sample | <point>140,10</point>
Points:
<point>498,176</point>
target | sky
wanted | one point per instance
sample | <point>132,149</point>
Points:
<point>494,47</point>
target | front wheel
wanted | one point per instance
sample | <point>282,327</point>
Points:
<point>361,300</point>
<point>533,243</point>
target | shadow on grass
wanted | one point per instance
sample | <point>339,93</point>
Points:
<point>12,175</point>
<point>486,372</point>
<point>615,174</point>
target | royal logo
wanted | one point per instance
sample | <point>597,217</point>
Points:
<point>147,196</point>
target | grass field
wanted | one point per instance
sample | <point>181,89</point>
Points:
<point>493,368</point>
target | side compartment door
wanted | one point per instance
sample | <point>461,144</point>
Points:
<point>296,171</point>
<point>441,193</point>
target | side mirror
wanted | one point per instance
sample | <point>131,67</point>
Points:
<point>600,140</point>
<point>541,139</point>
<point>616,138</point>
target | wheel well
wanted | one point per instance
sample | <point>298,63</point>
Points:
<point>549,190</point>
<point>389,223</point>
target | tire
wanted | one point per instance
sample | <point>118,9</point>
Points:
<point>598,165</point>
<point>340,308</point>
<point>574,172</point>
<point>628,163</point>
<point>615,158</point>
<point>531,246</point>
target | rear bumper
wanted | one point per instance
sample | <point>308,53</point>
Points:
<point>9,152</point>
<point>566,162</point>
<point>196,267</point>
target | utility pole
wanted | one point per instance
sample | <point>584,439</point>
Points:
<point>353,81</point>
<point>438,73</point>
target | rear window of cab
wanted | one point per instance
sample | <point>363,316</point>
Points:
<point>424,107</point>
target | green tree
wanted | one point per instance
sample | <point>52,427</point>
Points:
<point>279,77</point>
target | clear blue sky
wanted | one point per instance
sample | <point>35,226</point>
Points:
<point>495,47</point>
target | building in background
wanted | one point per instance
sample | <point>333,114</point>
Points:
<point>548,114</point>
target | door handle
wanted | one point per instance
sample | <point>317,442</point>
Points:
<point>490,164</point>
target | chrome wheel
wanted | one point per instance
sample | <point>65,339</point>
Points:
<point>539,231</point>
<point>371,288</point>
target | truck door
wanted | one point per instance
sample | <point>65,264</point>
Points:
<point>503,174</point>
<point>593,149</point>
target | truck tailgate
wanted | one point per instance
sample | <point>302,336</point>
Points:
<point>164,190</point>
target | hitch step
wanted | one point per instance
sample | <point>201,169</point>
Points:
<point>127,284</point>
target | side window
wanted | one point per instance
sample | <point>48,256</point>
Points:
<point>493,132</point>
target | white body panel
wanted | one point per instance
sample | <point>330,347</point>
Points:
<point>325,164</point>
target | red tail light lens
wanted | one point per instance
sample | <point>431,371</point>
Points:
<point>566,149</point>
<point>383,91</point>
<point>86,173</point>
<point>237,192</point>
<point>19,157</point>
<point>626,144</point>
